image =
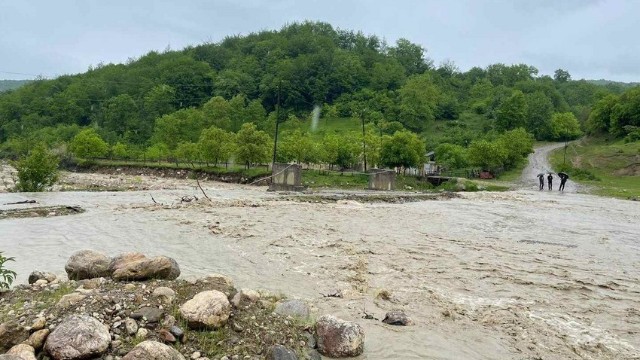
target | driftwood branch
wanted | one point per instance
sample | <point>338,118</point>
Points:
<point>21,202</point>
<point>201,189</point>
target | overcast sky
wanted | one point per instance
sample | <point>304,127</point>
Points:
<point>591,39</point>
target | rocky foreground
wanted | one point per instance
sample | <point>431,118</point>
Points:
<point>133,307</point>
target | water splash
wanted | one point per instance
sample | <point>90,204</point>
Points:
<point>315,117</point>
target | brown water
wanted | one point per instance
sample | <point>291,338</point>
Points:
<point>514,275</point>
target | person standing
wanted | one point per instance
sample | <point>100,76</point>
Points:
<point>563,180</point>
<point>541,178</point>
<point>550,181</point>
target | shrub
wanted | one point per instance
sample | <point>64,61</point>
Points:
<point>37,171</point>
<point>6,276</point>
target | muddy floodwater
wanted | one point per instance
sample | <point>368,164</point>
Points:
<point>515,275</point>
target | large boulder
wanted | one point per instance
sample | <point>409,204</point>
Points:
<point>207,310</point>
<point>338,338</point>
<point>138,267</point>
<point>152,350</point>
<point>11,333</point>
<point>78,337</point>
<point>293,308</point>
<point>87,264</point>
<point>23,352</point>
<point>37,339</point>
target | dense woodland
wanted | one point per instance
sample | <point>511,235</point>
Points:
<point>218,102</point>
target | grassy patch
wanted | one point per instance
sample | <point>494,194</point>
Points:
<point>334,179</point>
<point>611,168</point>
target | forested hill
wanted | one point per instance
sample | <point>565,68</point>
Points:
<point>170,97</point>
<point>12,84</point>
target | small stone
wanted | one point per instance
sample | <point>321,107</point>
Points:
<point>293,308</point>
<point>245,297</point>
<point>168,321</point>
<point>41,282</point>
<point>196,355</point>
<point>41,275</point>
<point>129,287</point>
<point>166,336</point>
<point>39,323</point>
<point>131,326</point>
<point>397,317</point>
<point>142,333</point>
<point>279,352</point>
<point>177,332</point>
<point>70,300</point>
<point>165,294</point>
<point>150,314</point>
<point>153,350</point>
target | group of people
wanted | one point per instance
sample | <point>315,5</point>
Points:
<point>563,180</point>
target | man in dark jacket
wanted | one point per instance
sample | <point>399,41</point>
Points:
<point>563,180</point>
<point>550,181</point>
<point>541,178</point>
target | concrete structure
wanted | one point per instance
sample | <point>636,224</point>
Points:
<point>380,179</point>
<point>286,177</point>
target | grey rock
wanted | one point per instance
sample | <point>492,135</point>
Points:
<point>153,350</point>
<point>10,357</point>
<point>131,326</point>
<point>397,317</point>
<point>151,314</point>
<point>245,297</point>
<point>338,338</point>
<point>78,337</point>
<point>87,264</point>
<point>177,332</point>
<point>313,354</point>
<point>70,300</point>
<point>12,333</point>
<point>279,352</point>
<point>293,308</point>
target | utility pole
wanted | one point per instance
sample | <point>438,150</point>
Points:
<point>364,143</point>
<point>275,142</point>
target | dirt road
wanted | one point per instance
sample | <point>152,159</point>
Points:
<point>516,275</point>
<point>539,163</point>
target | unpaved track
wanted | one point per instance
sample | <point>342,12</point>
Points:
<point>517,275</point>
<point>539,163</point>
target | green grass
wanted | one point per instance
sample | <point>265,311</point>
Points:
<point>334,179</point>
<point>610,168</point>
<point>325,126</point>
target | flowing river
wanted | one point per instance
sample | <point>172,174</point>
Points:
<point>516,275</point>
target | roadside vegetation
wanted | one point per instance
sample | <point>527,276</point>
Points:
<point>609,166</point>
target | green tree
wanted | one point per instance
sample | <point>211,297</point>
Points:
<point>183,125</point>
<point>88,145</point>
<point>159,101</point>
<point>217,112</point>
<point>297,146</point>
<point>451,156</point>
<point>600,117</point>
<point>418,100</point>
<point>341,150</point>
<point>625,116</point>
<point>187,152</point>
<point>517,143</point>
<point>37,171</point>
<point>512,112</point>
<point>215,145</point>
<point>121,116</point>
<point>539,111</point>
<point>252,145</point>
<point>403,149</point>
<point>157,152</point>
<point>565,126</point>
<point>119,151</point>
<point>561,76</point>
<point>486,155</point>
